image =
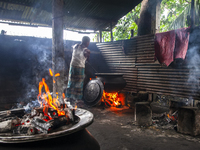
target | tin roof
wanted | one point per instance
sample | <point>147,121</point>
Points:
<point>78,14</point>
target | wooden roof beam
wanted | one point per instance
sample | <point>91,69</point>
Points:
<point>88,17</point>
<point>39,10</point>
<point>22,4</point>
<point>114,2</point>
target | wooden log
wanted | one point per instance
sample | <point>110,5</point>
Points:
<point>58,122</point>
<point>9,125</point>
<point>12,113</point>
<point>25,130</point>
<point>40,124</point>
<point>5,126</point>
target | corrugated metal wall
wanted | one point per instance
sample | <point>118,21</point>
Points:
<point>135,59</point>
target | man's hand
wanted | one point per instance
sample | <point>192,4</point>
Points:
<point>86,53</point>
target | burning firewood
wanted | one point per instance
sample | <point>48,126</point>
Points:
<point>12,113</point>
<point>58,122</point>
<point>9,125</point>
<point>41,125</point>
<point>111,99</point>
<point>173,117</point>
<point>70,113</point>
<point>25,129</point>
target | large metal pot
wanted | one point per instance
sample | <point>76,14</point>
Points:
<point>113,82</point>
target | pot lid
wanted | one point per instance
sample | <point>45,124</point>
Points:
<point>93,92</point>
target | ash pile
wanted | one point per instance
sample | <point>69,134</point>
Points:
<point>170,105</point>
<point>165,120</point>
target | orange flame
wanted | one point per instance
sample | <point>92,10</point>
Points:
<point>90,78</point>
<point>57,74</point>
<point>63,94</point>
<point>75,106</point>
<point>50,72</point>
<point>111,98</point>
<point>48,100</point>
<point>171,117</point>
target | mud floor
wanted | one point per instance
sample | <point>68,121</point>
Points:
<point>115,129</point>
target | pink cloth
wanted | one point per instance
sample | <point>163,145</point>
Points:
<point>171,45</point>
<point>164,47</point>
<point>182,40</point>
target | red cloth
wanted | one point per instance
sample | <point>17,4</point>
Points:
<point>171,45</point>
<point>164,47</point>
<point>182,39</point>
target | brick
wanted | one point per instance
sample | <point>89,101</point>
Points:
<point>143,114</point>
<point>189,120</point>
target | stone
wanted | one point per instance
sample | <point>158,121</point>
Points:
<point>189,120</point>
<point>143,114</point>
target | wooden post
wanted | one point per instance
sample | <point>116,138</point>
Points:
<point>150,97</point>
<point>100,35</point>
<point>58,61</point>
<point>132,33</point>
<point>192,14</point>
<point>111,32</point>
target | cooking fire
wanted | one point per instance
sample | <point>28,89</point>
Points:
<point>111,99</point>
<point>44,119</point>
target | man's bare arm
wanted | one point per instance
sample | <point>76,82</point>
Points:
<point>86,53</point>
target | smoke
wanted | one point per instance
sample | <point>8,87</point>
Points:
<point>39,52</point>
<point>193,62</point>
<point>38,55</point>
<point>194,68</point>
<point>42,55</point>
<point>194,65</point>
<point>25,61</point>
<point>31,105</point>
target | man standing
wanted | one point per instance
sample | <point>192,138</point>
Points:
<point>77,71</point>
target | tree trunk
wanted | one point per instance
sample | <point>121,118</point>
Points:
<point>149,22</point>
<point>192,12</point>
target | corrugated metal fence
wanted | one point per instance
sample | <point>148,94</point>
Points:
<point>135,59</point>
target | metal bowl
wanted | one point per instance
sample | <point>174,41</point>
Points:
<point>85,119</point>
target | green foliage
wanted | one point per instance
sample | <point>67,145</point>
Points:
<point>174,14</point>
<point>124,26</point>
<point>106,36</point>
<point>170,11</point>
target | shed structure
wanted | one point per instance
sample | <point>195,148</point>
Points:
<point>78,14</point>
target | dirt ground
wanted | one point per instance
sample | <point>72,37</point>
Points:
<point>115,129</point>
